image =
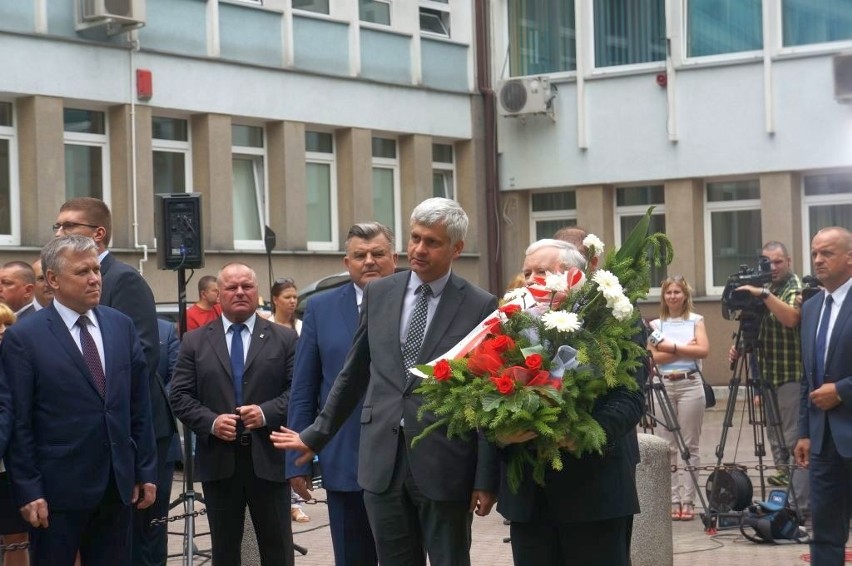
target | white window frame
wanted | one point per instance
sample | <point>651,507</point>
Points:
<point>777,15</point>
<point>175,146</point>
<point>393,165</point>
<point>548,215</point>
<point>302,11</point>
<point>589,50</point>
<point>261,183</point>
<point>100,141</point>
<point>633,211</point>
<point>817,200</point>
<point>378,24</point>
<point>443,168</point>
<point>9,133</point>
<point>722,206</point>
<point>736,56</point>
<point>445,15</point>
<point>579,50</point>
<point>330,160</point>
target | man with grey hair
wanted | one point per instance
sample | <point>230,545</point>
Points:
<point>83,448</point>
<point>328,328</point>
<point>419,500</point>
<point>548,255</point>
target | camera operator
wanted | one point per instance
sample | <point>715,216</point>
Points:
<point>779,364</point>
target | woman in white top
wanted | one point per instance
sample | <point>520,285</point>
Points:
<point>676,348</point>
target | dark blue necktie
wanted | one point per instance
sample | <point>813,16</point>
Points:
<point>822,341</point>
<point>237,360</point>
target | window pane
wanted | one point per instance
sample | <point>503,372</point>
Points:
<point>83,171</point>
<point>816,21</point>
<point>735,240</point>
<point>830,215</point>
<point>383,147</point>
<point>657,224</point>
<point>629,32</point>
<point>84,121</point>
<point>173,129</point>
<point>566,200</point>
<point>5,113</point>
<point>169,172</point>
<point>246,209</point>
<point>442,152</point>
<point>547,228</point>
<point>435,21</point>
<point>319,142</point>
<point>723,26</point>
<point>383,196</point>
<point>319,6</point>
<point>541,37</point>
<point>247,136</point>
<point>733,190</point>
<point>375,11</point>
<point>831,184</point>
<point>442,184</point>
<point>634,196</point>
<point>5,188</point>
<point>319,202</point>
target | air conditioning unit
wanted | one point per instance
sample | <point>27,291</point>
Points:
<point>843,78</point>
<point>115,11</point>
<point>524,96</point>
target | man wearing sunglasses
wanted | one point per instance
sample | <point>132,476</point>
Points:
<point>124,289</point>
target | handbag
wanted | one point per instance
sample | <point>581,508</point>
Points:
<point>709,395</point>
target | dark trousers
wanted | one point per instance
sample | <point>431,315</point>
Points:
<point>831,502</point>
<point>101,535</point>
<point>408,526</point>
<point>150,542</point>
<point>269,507</point>
<point>596,543</point>
<point>350,529</point>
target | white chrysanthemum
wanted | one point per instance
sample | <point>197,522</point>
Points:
<point>593,242</point>
<point>555,282</point>
<point>622,309</point>
<point>512,294</point>
<point>607,282</point>
<point>561,321</point>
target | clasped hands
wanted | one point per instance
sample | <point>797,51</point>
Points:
<point>225,425</point>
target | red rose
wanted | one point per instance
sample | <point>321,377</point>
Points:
<point>533,361</point>
<point>510,310</point>
<point>540,378</point>
<point>442,370</point>
<point>502,343</point>
<point>493,325</point>
<point>504,384</point>
<point>484,361</point>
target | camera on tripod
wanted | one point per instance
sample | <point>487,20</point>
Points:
<point>734,301</point>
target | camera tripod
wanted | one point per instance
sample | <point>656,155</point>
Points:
<point>657,396</point>
<point>765,416</point>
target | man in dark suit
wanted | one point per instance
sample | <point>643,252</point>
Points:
<point>17,287</point>
<point>124,289</point>
<point>231,388</point>
<point>83,447</point>
<point>583,514</point>
<point>42,293</point>
<point>419,500</point>
<point>825,412</point>
<point>328,327</point>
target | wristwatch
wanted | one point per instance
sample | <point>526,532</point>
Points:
<point>764,293</point>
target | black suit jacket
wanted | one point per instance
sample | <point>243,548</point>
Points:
<point>202,389</point>
<point>123,289</point>
<point>445,470</point>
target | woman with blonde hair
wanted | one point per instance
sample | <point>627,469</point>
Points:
<point>678,343</point>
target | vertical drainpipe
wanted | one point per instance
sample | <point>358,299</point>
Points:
<point>483,84</point>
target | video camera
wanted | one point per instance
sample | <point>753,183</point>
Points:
<point>810,287</point>
<point>734,301</point>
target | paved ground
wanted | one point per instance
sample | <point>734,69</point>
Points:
<point>692,547</point>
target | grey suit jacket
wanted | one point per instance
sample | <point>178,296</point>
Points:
<point>202,389</point>
<point>445,470</point>
<point>838,370</point>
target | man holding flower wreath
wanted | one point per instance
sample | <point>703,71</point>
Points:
<point>582,514</point>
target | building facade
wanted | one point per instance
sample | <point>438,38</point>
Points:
<point>720,113</point>
<point>302,115</point>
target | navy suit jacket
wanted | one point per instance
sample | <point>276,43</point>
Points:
<point>838,370</point>
<point>67,440</point>
<point>328,327</point>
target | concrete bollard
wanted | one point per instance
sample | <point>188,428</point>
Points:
<point>652,527</point>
